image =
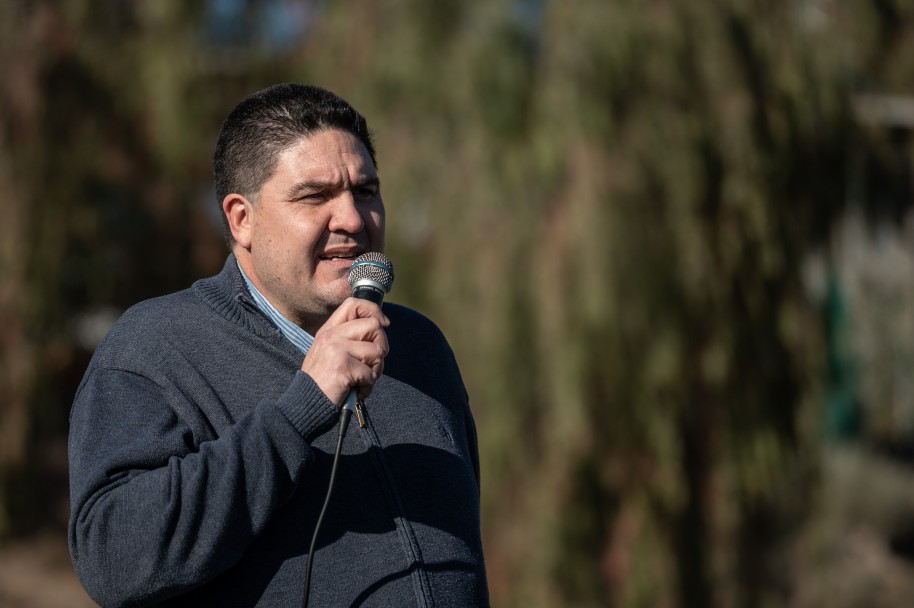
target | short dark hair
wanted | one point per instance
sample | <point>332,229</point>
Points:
<point>259,128</point>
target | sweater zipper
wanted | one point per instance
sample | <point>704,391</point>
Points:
<point>408,538</point>
<point>360,416</point>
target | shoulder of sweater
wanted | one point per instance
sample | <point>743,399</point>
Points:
<point>410,328</point>
<point>403,318</point>
<point>164,312</point>
<point>420,355</point>
<point>400,311</point>
<point>145,327</point>
<point>183,310</point>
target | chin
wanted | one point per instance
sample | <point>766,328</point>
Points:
<point>336,295</point>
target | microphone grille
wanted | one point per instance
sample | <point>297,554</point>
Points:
<point>372,266</point>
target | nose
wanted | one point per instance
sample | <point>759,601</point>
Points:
<point>346,216</point>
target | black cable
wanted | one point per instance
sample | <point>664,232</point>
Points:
<point>345,415</point>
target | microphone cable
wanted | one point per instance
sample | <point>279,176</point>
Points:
<point>345,415</point>
<point>371,276</point>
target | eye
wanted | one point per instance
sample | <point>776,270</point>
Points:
<point>366,192</point>
<point>313,197</point>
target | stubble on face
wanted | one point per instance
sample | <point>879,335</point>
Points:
<point>321,208</point>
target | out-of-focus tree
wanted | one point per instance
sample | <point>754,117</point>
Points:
<point>622,197</point>
<point>101,201</point>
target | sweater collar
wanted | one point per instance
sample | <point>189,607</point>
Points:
<point>227,294</point>
<point>293,333</point>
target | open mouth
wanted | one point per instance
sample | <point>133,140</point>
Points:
<point>337,257</point>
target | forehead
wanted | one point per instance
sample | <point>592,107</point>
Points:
<point>328,154</point>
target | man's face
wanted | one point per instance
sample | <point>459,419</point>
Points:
<point>321,208</point>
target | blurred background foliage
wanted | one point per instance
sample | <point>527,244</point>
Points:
<point>671,243</point>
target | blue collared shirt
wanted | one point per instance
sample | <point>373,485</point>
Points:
<point>295,334</point>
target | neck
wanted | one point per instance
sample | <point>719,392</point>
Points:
<point>309,323</point>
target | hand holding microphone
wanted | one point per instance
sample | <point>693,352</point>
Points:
<point>347,355</point>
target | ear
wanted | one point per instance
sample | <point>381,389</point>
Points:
<point>238,211</point>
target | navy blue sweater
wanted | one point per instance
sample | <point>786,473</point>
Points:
<point>200,456</point>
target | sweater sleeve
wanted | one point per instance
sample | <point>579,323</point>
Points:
<point>153,512</point>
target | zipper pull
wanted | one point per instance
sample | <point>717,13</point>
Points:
<point>359,415</point>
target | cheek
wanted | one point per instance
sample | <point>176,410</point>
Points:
<point>305,233</point>
<point>377,221</point>
<point>376,226</point>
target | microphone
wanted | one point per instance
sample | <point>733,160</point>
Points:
<point>371,276</point>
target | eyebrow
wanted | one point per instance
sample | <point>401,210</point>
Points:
<point>318,185</point>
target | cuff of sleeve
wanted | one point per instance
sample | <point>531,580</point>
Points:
<point>306,406</point>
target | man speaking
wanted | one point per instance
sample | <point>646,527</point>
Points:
<point>203,434</point>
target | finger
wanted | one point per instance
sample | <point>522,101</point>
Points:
<point>363,392</point>
<point>367,353</point>
<point>336,378</point>
<point>362,377</point>
<point>338,364</point>
<point>362,338</point>
<point>354,308</point>
<point>359,330</point>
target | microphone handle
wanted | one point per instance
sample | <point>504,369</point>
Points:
<point>362,292</point>
<point>349,403</point>
<point>366,292</point>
